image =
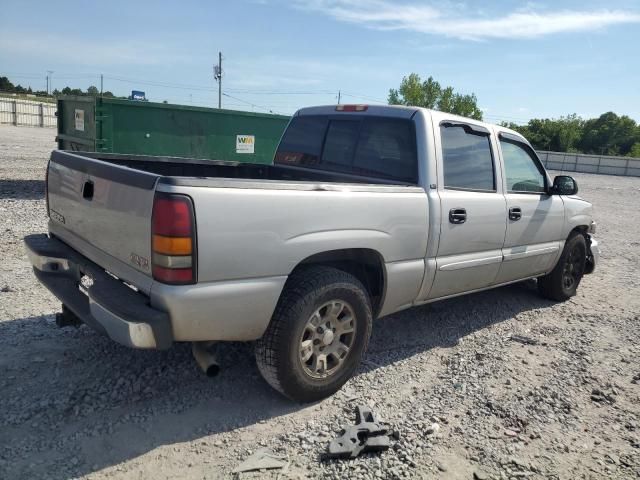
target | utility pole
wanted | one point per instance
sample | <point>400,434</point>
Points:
<point>220,80</point>
<point>101,83</point>
<point>49,81</point>
<point>339,97</point>
<point>217,74</point>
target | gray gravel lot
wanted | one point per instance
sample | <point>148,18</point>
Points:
<point>466,398</point>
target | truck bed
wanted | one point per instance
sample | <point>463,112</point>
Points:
<point>101,204</point>
<point>198,168</point>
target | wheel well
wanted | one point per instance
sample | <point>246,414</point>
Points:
<point>365,264</point>
<point>583,230</point>
<point>579,229</point>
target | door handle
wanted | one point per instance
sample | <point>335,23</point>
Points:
<point>457,215</point>
<point>515,213</point>
<point>87,190</point>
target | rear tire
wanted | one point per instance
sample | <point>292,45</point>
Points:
<point>562,282</point>
<point>317,335</point>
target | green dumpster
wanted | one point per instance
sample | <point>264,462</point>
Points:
<point>124,126</point>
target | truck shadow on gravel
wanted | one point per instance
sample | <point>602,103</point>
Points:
<point>21,189</point>
<point>75,403</point>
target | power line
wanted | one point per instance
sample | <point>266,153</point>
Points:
<point>267,92</point>
<point>159,84</point>
<point>249,103</point>
<point>35,77</point>
<point>247,91</point>
<point>366,97</point>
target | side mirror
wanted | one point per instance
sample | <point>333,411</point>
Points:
<point>564,185</point>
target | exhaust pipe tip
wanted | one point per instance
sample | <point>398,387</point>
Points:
<point>206,358</point>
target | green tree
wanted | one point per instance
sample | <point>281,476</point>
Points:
<point>93,91</point>
<point>557,135</point>
<point>6,85</point>
<point>609,134</point>
<point>635,150</point>
<point>430,94</point>
<point>569,132</point>
<point>467,106</point>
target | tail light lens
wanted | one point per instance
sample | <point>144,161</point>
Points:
<point>173,242</point>
<point>351,108</point>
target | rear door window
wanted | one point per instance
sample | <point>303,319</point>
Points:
<point>466,157</point>
<point>376,147</point>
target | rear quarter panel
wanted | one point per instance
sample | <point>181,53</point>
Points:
<point>253,232</point>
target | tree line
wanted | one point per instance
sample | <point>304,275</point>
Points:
<point>7,86</point>
<point>609,134</point>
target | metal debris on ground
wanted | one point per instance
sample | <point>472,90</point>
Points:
<point>367,435</point>
<point>262,459</point>
<point>524,340</point>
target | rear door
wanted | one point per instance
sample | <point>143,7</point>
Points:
<point>535,218</point>
<point>473,209</point>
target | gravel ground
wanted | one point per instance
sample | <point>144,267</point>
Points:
<point>468,400</point>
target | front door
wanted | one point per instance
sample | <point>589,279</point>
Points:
<point>535,218</point>
<point>474,214</point>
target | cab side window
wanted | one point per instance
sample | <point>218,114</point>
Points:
<point>522,170</point>
<point>467,159</point>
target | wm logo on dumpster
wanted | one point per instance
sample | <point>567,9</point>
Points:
<point>245,143</point>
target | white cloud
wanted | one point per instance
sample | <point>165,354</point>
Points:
<point>460,21</point>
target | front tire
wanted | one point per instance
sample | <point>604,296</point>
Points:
<point>562,283</point>
<point>317,335</point>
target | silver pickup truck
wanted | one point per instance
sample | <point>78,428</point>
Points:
<point>366,210</point>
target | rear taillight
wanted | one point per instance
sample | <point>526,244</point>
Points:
<point>173,241</point>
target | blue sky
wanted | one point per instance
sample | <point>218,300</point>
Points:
<point>522,60</point>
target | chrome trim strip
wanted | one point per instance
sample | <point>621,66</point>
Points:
<point>530,253</point>
<point>471,263</point>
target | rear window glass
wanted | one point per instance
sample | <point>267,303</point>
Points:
<point>340,144</point>
<point>387,147</point>
<point>302,142</point>
<point>368,146</point>
<point>466,158</point>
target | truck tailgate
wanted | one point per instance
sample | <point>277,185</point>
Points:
<point>105,206</point>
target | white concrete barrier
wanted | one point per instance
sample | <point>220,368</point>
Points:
<point>27,112</point>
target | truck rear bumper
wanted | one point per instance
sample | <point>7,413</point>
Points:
<point>109,306</point>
